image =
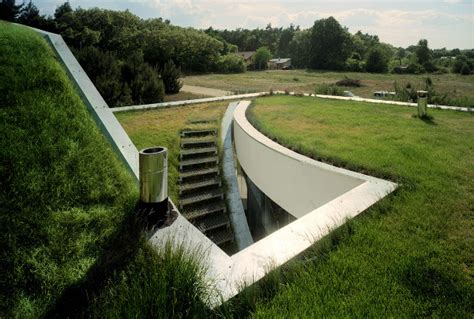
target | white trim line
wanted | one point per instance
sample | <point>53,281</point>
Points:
<point>260,94</point>
<point>360,99</point>
<point>187,102</point>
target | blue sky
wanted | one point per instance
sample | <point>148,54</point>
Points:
<point>445,23</point>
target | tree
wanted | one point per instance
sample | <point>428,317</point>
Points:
<point>147,87</point>
<point>377,61</point>
<point>261,58</point>
<point>330,45</point>
<point>62,10</point>
<point>363,42</point>
<point>8,10</point>
<point>459,62</point>
<point>171,78</point>
<point>401,54</point>
<point>422,52</point>
<point>29,15</point>
<point>286,35</point>
<point>299,49</point>
<point>231,63</point>
<point>465,70</point>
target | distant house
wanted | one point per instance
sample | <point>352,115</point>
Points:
<point>246,55</point>
<point>279,64</point>
<point>400,69</point>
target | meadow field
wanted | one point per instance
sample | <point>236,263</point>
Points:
<point>304,81</point>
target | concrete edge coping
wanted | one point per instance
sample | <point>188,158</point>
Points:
<point>360,99</point>
<point>261,94</point>
<point>187,102</point>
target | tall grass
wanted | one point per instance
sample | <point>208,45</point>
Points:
<point>71,242</point>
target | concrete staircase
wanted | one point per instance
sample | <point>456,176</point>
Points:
<point>200,186</point>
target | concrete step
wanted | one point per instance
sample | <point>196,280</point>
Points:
<point>221,236</point>
<point>198,172</point>
<point>198,140</point>
<point>196,161</point>
<point>196,212</point>
<point>199,133</point>
<point>212,222</point>
<point>199,184</point>
<point>200,197</point>
<point>198,150</point>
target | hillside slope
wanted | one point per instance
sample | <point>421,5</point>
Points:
<point>69,237</point>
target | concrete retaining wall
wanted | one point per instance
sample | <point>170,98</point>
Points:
<point>296,183</point>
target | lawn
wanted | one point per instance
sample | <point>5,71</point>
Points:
<point>304,81</point>
<point>163,126</point>
<point>72,244</point>
<point>412,253</point>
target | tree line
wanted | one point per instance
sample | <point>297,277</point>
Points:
<point>129,59</point>
<point>135,61</point>
<point>329,46</point>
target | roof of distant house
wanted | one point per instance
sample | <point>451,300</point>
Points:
<point>245,54</point>
<point>279,60</point>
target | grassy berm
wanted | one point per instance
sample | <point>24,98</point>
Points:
<point>71,245</point>
<point>410,255</point>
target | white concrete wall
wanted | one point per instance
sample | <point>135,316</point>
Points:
<point>295,182</point>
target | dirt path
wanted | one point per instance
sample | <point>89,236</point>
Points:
<point>204,91</point>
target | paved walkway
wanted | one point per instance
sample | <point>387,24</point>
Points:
<point>204,91</point>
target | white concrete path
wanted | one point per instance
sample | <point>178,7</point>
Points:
<point>187,102</point>
<point>204,91</point>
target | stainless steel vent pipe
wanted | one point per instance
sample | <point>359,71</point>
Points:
<point>153,166</point>
<point>422,103</point>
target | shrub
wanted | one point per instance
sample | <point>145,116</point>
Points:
<point>430,67</point>
<point>171,77</point>
<point>231,64</point>
<point>415,68</point>
<point>459,63</point>
<point>147,87</point>
<point>261,58</point>
<point>408,93</point>
<point>354,65</point>
<point>405,93</point>
<point>465,70</point>
<point>377,61</point>
<point>329,89</point>
<point>348,82</point>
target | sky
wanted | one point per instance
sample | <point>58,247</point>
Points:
<point>444,23</point>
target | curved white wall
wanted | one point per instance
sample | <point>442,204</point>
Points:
<point>295,182</point>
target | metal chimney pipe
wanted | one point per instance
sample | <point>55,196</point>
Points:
<point>422,103</point>
<point>153,167</point>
